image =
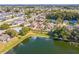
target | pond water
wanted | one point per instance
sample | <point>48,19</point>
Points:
<point>39,45</point>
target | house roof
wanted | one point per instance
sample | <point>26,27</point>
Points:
<point>4,37</point>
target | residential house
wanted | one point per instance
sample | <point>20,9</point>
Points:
<point>5,38</point>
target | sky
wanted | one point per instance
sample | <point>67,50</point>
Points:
<point>39,1</point>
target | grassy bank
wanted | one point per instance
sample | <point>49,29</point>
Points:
<point>16,40</point>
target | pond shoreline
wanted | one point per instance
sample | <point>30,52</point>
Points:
<point>43,46</point>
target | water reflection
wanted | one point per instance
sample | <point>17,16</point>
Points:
<point>34,38</point>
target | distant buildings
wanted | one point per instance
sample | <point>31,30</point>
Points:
<point>37,21</point>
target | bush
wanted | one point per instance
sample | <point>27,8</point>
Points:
<point>12,32</point>
<point>4,26</point>
<point>24,31</point>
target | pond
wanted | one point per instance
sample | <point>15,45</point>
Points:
<point>40,45</point>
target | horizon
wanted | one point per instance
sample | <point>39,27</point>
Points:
<point>39,4</point>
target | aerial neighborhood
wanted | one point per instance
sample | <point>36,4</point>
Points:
<point>61,23</point>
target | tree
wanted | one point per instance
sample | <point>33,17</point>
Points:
<point>16,10</point>
<point>28,12</point>
<point>65,33</point>
<point>74,35</point>
<point>48,16</point>
<point>7,10</point>
<point>59,20</point>
<point>4,26</point>
<point>28,16</point>
<point>24,31</point>
<point>55,34</point>
<point>60,34</point>
<point>12,32</point>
